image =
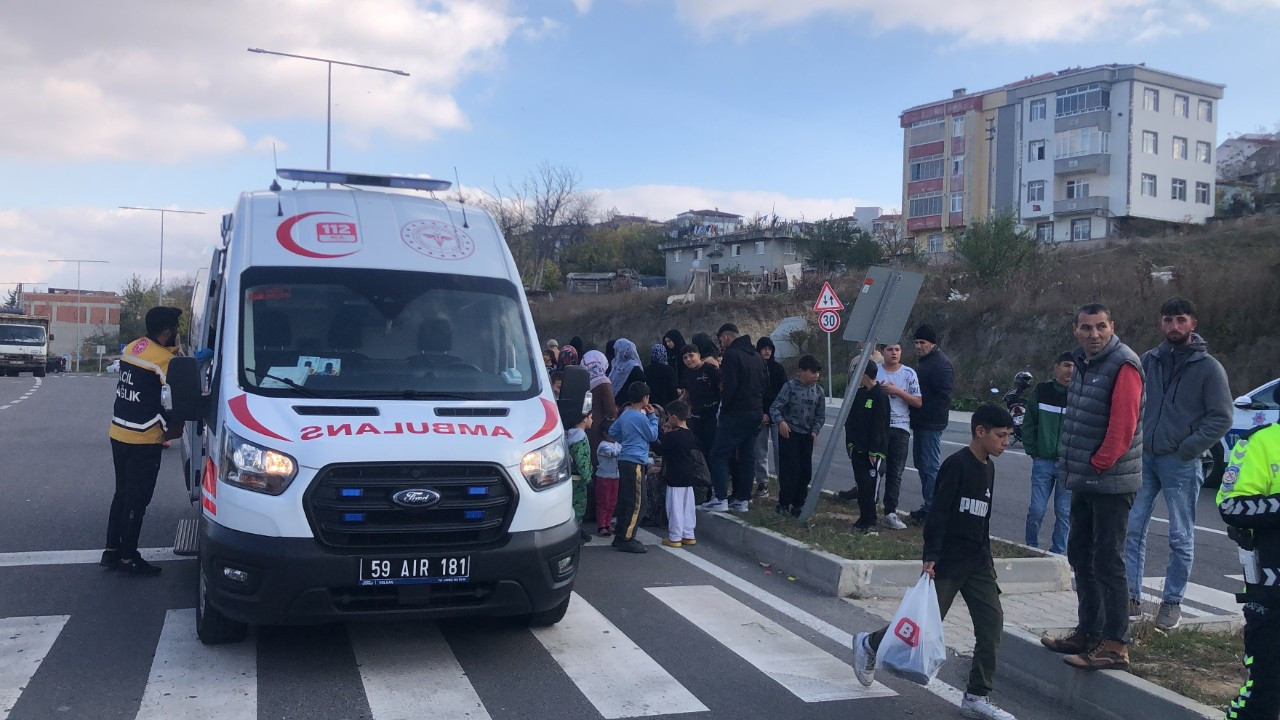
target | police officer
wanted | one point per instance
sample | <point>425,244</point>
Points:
<point>1249,502</point>
<point>138,425</point>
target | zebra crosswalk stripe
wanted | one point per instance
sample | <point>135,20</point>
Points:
<point>409,671</point>
<point>804,669</point>
<point>191,680</point>
<point>620,681</point>
<point>26,642</point>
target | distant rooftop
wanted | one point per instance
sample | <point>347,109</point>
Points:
<point>710,213</point>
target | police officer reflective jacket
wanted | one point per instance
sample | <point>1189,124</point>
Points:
<point>138,417</point>
<point>1249,502</point>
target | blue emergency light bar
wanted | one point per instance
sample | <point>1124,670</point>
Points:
<point>340,177</point>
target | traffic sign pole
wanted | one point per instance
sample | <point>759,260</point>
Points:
<point>828,304</point>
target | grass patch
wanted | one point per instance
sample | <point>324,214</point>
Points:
<point>831,529</point>
<point>1204,666</point>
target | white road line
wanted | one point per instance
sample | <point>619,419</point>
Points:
<point>619,678</point>
<point>817,624</point>
<point>192,680</point>
<point>6,407</point>
<point>78,557</point>
<point>408,671</point>
<point>24,642</point>
<point>1199,594</point>
<point>1202,528</point>
<point>805,670</point>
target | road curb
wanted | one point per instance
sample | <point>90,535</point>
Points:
<point>834,575</point>
<point>1107,695</point>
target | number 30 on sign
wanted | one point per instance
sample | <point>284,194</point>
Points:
<point>829,320</point>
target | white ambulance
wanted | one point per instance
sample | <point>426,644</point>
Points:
<point>375,434</point>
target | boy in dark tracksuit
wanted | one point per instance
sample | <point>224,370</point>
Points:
<point>957,555</point>
<point>866,439</point>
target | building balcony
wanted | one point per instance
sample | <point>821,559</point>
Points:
<point>1094,163</point>
<point>1100,119</point>
<point>1097,205</point>
<point>925,222</point>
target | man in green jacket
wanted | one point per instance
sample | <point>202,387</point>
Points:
<point>1040,429</point>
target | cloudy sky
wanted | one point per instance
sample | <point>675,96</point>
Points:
<point>662,105</point>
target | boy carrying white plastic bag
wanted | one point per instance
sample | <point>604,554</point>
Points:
<point>957,560</point>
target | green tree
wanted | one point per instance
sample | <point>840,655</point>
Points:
<point>605,249</point>
<point>136,298</point>
<point>837,244</point>
<point>11,298</point>
<point>996,247</point>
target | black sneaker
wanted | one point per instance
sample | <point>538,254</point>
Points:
<point>782,510</point>
<point>917,517</point>
<point>138,567</point>
<point>629,546</point>
<point>847,495</point>
<point>109,559</point>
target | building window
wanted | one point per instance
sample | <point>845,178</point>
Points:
<point>1044,232</point>
<point>1148,185</point>
<point>957,202</point>
<point>697,254</point>
<point>926,168</point>
<point>759,247</point>
<point>1035,150</point>
<point>1082,99</point>
<point>1203,151</point>
<point>1035,191</point>
<point>675,256</point>
<point>957,126</point>
<point>1181,105</point>
<point>735,250</point>
<point>1151,99</point>
<point>957,165</point>
<point>1077,189</point>
<point>1179,188</point>
<point>790,249</point>
<point>1202,193</point>
<point>925,204</point>
<point>1179,148</point>
<point>1150,143</point>
<point>930,121</point>
<point>1081,141</point>
<point>935,243</point>
<point>1082,229</point>
<point>1036,109</point>
<point>1204,110</point>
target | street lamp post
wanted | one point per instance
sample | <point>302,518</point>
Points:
<point>78,264</point>
<point>162,211</point>
<point>328,114</point>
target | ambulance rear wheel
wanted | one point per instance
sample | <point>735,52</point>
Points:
<point>213,627</point>
<point>547,617</point>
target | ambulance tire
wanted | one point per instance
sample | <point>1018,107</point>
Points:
<point>213,627</point>
<point>547,618</point>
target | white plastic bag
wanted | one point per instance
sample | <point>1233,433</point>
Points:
<point>914,648</point>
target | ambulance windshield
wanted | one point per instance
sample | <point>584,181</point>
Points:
<point>363,333</point>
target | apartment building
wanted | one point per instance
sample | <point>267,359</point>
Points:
<point>1073,154</point>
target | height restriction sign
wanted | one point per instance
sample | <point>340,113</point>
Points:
<point>827,299</point>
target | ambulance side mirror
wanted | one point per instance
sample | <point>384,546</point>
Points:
<point>189,402</point>
<point>575,392</point>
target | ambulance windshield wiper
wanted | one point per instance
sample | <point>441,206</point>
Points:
<point>409,394</point>
<point>293,385</point>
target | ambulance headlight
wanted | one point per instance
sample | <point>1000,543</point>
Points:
<point>253,467</point>
<point>547,466</point>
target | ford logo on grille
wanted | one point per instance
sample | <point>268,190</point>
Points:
<point>416,498</point>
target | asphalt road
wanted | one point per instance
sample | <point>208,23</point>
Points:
<point>666,633</point>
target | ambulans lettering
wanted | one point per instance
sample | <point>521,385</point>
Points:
<point>315,432</point>
<point>974,506</point>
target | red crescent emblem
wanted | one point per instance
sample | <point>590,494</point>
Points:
<point>284,235</point>
<point>240,410</point>
<point>553,417</point>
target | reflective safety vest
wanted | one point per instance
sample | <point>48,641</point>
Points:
<point>1249,502</point>
<point>138,416</point>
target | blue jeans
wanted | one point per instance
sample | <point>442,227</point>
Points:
<point>1044,482</point>
<point>1180,480</point>
<point>736,431</point>
<point>926,453</point>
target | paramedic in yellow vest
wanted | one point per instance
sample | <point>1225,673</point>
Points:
<point>138,424</point>
<point>1249,502</point>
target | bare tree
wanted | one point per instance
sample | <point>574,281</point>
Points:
<point>541,214</point>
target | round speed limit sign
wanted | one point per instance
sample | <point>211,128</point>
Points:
<point>829,320</point>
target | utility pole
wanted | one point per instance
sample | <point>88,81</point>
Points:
<point>162,211</point>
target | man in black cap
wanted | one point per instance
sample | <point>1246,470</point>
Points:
<point>937,377</point>
<point>742,379</point>
<point>138,425</point>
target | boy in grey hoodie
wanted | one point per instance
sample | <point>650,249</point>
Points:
<point>799,411</point>
<point>1188,410</point>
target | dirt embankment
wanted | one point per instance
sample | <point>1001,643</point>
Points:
<point>1231,271</point>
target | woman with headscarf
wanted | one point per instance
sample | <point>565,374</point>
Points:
<point>603,408</point>
<point>625,369</point>
<point>663,382</point>
<point>707,348</point>
<point>673,341</point>
<point>568,356</point>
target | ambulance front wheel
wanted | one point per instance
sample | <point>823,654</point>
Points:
<point>548,617</point>
<point>213,627</point>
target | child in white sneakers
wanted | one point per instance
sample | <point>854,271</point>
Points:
<point>680,458</point>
